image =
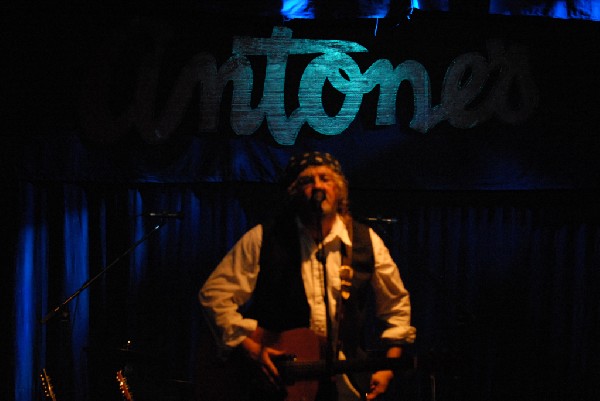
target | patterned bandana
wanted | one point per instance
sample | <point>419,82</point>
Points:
<point>298,163</point>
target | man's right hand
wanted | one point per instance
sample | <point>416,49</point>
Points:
<point>262,355</point>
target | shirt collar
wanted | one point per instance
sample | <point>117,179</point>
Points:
<point>338,230</point>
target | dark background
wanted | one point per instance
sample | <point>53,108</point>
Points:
<point>495,229</point>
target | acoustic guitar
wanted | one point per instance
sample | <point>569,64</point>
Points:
<point>301,369</point>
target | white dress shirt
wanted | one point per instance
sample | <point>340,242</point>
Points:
<point>232,282</point>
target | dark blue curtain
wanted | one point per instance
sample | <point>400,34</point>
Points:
<point>504,287</point>
<point>504,298</point>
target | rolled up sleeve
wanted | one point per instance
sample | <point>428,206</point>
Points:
<point>231,285</point>
<point>392,298</point>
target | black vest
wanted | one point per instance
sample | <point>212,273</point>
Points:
<point>279,301</point>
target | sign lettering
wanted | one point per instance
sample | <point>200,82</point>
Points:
<point>475,89</point>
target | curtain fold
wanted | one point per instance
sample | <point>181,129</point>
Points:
<point>504,294</point>
<point>31,278</point>
<point>76,274</point>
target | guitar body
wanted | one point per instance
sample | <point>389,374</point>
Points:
<point>240,379</point>
<point>306,347</point>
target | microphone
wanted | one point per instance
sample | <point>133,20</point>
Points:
<point>317,197</point>
<point>164,215</point>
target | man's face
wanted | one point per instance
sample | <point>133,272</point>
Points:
<point>323,178</point>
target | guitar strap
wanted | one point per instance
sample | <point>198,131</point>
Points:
<point>355,274</point>
<point>346,271</point>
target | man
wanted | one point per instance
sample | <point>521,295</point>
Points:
<point>274,278</point>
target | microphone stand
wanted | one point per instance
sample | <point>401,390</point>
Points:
<point>89,282</point>
<point>329,348</point>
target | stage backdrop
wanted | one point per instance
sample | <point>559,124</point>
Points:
<point>436,102</point>
<point>470,144</point>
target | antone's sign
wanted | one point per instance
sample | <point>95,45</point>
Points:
<point>475,89</point>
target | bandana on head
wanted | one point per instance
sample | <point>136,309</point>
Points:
<point>297,164</point>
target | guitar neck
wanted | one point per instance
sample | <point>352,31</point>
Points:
<point>303,370</point>
<point>47,385</point>
<point>124,387</point>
